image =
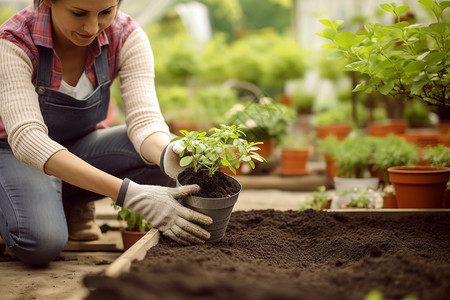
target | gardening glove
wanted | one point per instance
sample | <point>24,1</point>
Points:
<point>170,159</point>
<point>159,206</point>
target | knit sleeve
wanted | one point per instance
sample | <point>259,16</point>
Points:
<point>19,109</point>
<point>137,84</point>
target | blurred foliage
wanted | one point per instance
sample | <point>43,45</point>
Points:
<point>5,13</point>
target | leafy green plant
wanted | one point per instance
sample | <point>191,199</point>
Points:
<point>398,59</point>
<point>392,151</point>
<point>438,156</point>
<point>263,120</point>
<point>351,156</point>
<point>135,221</point>
<point>225,147</point>
<point>317,199</point>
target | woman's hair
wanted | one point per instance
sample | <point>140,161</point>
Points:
<point>37,3</point>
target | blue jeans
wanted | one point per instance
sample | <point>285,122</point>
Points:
<point>32,220</point>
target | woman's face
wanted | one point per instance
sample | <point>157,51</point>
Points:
<point>78,22</point>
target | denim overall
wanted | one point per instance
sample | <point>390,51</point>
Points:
<point>32,220</point>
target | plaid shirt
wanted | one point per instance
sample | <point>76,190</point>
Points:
<point>29,28</point>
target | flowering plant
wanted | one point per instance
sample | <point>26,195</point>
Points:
<point>317,199</point>
<point>388,190</point>
<point>361,198</point>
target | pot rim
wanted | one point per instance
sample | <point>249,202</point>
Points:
<point>416,169</point>
<point>221,198</point>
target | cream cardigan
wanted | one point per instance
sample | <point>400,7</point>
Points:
<point>22,118</point>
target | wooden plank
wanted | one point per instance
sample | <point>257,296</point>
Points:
<point>135,252</point>
<point>109,241</point>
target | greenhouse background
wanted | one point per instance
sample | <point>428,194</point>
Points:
<point>208,51</point>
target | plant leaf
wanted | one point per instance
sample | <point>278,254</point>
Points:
<point>185,161</point>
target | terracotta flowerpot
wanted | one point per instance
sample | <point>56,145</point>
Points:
<point>397,127</point>
<point>420,186</point>
<point>389,201</point>
<point>446,203</point>
<point>293,162</point>
<point>444,127</point>
<point>444,139</point>
<point>266,149</point>
<point>129,238</point>
<point>339,130</point>
<point>331,166</point>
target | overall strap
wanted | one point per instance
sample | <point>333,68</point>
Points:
<point>45,66</point>
<point>101,67</point>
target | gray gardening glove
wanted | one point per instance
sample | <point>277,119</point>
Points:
<point>159,206</point>
<point>170,159</point>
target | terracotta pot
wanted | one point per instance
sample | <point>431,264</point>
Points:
<point>293,162</point>
<point>423,138</point>
<point>444,127</point>
<point>331,166</point>
<point>266,149</point>
<point>420,186</point>
<point>444,140</point>
<point>129,238</point>
<point>397,127</point>
<point>339,130</point>
<point>327,205</point>
<point>389,201</point>
<point>446,203</point>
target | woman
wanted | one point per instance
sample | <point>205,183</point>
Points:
<point>58,60</point>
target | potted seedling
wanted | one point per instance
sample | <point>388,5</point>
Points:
<point>136,225</point>
<point>204,156</point>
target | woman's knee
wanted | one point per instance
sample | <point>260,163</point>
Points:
<point>39,247</point>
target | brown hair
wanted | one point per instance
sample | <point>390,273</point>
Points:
<point>38,3</point>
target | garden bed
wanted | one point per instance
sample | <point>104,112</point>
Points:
<point>269,254</point>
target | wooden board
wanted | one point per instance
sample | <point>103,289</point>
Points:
<point>135,252</point>
<point>109,241</point>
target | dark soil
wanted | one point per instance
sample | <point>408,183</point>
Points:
<point>287,255</point>
<point>217,186</point>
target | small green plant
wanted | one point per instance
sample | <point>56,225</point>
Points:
<point>317,200</point>
<point>438,156</point>
<point>225,147</point>
<point>361,198</point>
<point>392,151</point>
<point>135,221</point>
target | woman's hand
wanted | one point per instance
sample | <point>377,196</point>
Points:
<point>159,206</point>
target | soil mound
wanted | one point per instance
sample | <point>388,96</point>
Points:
<point>270,255</point>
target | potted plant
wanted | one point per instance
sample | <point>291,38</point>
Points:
<point>295,151</point>
<point>204,155</point>
<point>265,121</point>
<point>318,199</point>
<point>136,226</point>
<point>389,199</point>
<point>392,151</point>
